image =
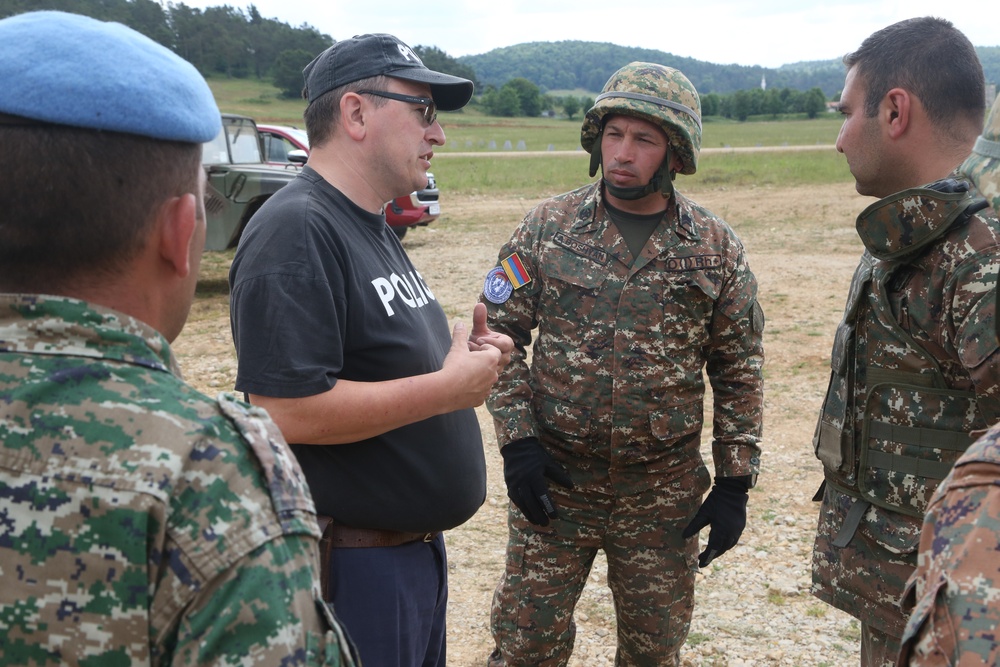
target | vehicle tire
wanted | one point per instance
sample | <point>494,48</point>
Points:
<point>400,232</point>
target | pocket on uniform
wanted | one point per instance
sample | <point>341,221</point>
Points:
<point>561,417</point>
<point>677,421</point>
<point>570,290</point>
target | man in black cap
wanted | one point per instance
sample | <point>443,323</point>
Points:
<point>342,340</point>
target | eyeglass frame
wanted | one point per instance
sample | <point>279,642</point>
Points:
<point>430,109</point>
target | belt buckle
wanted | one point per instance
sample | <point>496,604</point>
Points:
<point>428,537</point>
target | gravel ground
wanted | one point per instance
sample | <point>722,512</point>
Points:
<point>753,605</point>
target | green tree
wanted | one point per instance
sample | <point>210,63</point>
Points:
<point>570,105</point>
<point>814,102</point>
<point>741,105</point>
<point>773,104</point>
<point>287,72</point>
<point>528,95</point>
<point>508,104</point>
<point>710,104</point>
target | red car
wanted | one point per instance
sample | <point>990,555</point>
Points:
<point>283,144</point>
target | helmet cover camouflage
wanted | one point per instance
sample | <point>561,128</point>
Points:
<point>983,164</point>
<point>659,94</point>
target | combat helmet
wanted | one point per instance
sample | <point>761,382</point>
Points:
<point>659,94</point>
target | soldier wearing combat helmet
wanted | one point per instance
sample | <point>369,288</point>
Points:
<point>630,291</point>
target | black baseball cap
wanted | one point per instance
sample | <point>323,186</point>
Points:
<point>380,54</point>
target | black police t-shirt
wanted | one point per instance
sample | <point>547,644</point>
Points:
<point>322,290</point>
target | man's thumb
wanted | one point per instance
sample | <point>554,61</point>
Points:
<point>479,327</point>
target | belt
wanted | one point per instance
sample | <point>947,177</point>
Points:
<point>345,536</point>
<point>337,536</point>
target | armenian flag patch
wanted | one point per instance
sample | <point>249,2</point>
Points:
<point>515,271</point>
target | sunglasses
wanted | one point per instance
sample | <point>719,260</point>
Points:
<point>430,109</point>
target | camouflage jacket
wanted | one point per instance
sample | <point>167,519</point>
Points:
<point>956,586</point>
<point>914,372</point>
<point>142,522</point>
<point>616,377</point>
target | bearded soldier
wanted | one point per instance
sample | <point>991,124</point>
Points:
<point>633,291</point>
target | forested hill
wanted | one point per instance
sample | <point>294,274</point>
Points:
<point>577,65</point>
<point>228,41</point>
<point>219,41</point>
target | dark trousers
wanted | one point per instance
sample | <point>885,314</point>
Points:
<point>392,602</point>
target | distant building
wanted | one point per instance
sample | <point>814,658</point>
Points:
<point>763,82</point>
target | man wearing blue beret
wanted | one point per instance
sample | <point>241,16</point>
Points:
<point>141,522</point>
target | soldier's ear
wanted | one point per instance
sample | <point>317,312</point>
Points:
<point>177,225</point>
<point>896,111</point>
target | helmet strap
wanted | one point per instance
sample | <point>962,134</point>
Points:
<point>595,154</point>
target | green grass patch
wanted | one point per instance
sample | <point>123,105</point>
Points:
<point>472,132</point>
<point>721,132</point>
<point>257,99</point>
<point>816,611</point>
<point>696,638</point>
<point>792,167</point>
<point>544,175</point>
<point>531,177</point>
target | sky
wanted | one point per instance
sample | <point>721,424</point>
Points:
<point>769,33</point>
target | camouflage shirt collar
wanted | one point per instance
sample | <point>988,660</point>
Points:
<point>587,219</point>
<point>900,225</point>
<point>56,325</point>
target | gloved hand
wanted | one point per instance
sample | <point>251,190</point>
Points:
<point>526,464</point>
<point>725,509</point>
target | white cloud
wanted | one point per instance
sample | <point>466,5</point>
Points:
<point>768,32</point>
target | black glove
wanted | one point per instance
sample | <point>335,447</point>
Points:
<point>526,464</point>
<point>725,509</point>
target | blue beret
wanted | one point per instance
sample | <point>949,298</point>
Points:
<point>72,70</point>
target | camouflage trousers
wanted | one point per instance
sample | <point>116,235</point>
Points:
<point>651,572</point>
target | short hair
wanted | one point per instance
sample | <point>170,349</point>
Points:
<point>928,57</point>
<point>79,204</point>
<point>323,113</point>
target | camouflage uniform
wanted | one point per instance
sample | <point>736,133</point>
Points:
<point>143,523</point>
<point>956,586</point>
<point>914,371</point>
<point>615,393</point>
<point>957,579</point>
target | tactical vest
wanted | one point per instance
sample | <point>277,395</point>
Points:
<point>914,426</point>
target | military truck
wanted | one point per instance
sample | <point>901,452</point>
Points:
<point>239,179</point>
